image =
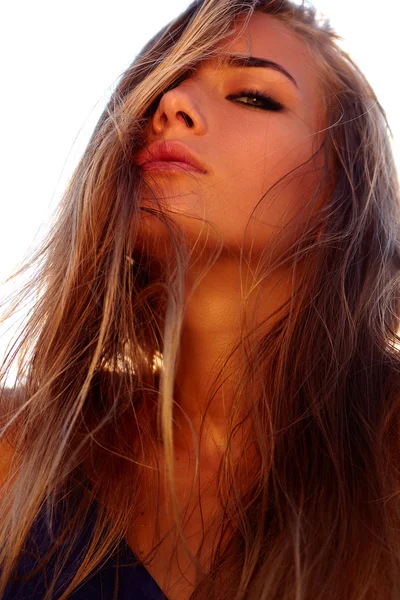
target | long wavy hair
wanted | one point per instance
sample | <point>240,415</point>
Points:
<point>319,516</point>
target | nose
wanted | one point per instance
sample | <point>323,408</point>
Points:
<point>178,110</point>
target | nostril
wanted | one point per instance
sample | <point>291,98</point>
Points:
<point>186,118</point>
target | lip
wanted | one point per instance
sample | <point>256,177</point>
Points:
<point>170,156</point>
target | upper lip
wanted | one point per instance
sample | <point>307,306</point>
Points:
<point>170,151</point>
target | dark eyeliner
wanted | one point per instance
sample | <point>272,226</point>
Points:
<point>267,102</point>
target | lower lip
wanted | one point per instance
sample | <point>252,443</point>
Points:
<point>173,166</point>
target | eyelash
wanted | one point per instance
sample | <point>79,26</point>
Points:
<point>268,102</point>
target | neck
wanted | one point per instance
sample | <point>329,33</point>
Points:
<point>211,329</point>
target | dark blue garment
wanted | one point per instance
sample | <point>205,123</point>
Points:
<point>134,581</point>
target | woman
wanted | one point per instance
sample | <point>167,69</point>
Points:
<point>210,374</point>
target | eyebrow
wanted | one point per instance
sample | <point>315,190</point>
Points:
<point>242,60</point>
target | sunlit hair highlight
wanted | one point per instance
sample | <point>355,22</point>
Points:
<point>319,516</point>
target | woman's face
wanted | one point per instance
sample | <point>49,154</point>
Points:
<point>245,144</point>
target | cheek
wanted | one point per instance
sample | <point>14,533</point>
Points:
<point>264,157</point>
<point>283,144</point>
<point>293,152</point>
<point>264,150</point>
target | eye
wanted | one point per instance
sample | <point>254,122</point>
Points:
<point>257,100</point>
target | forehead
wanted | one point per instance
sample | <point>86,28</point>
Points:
<point>267,37</point>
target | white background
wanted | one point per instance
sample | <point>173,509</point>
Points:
<point>59,63</point>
